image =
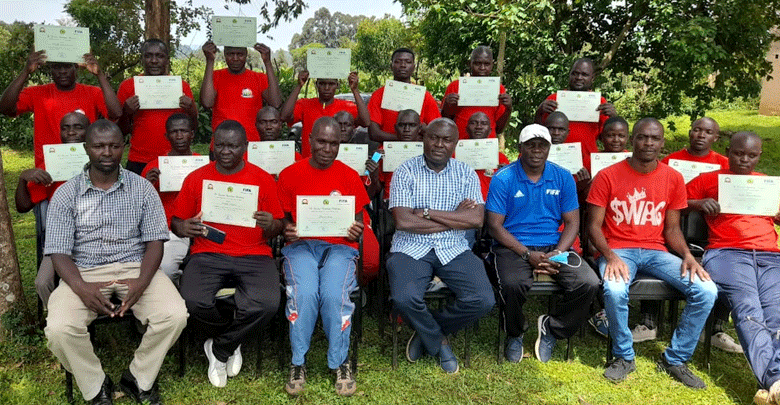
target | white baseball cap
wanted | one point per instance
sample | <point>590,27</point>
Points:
<point>535,131</point>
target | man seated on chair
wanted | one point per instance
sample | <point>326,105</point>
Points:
<point>634,209</point>
<point>743,259</point>
<point>242,259</point>
<point>435,199</point>
<point>106,229</point>
<point>320,271</point>
<point>268,123</point>
<point>526,204</point>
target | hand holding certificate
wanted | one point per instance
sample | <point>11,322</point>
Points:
<point>318,215</point>
<point>480,154</point>
<point>271,156</point>
<point>64,160</point>
<point>400,96</point>
<point>399,152</point>
<point>602,160</point>
<point>234,31</point>
<point>173,170</point>
<point>690,170</point>
<point>354,156</point>
<point>229,203</point>
<point>62,44</point>
<point>579,105</point>
<point>158,92</point>
<point>748,195</point>
<point>478,91</point>
<point>567,155</point>
<point>328,63</point>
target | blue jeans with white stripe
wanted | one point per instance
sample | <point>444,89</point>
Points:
<point>319,277</point>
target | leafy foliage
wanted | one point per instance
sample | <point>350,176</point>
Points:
<point>376,39</point>
<point>335,30</point>
<point>282,10</point>
<point>16,41</point>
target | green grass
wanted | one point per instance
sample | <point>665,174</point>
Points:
<point>29,374</point>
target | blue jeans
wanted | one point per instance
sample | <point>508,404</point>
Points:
<point>700,297</point>
<point>319,277</point>
<point>751,281</point>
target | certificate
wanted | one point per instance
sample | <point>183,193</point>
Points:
<point>399,152</point>
<point>690,170</point>
<point>399,96</point>
<point>324,215</point>
<point>567,155</point>
<point>328,63</point>
<point>478,91</point>
<point>480,154</point>
<point>271,156</point>
<point>64,160</point>
<point>173,170</point>
<point>748,195</point>
<point>579,105</point>
<point>62,44</point>
<point>354,156</point>
<point>234,31</point>
<point>604,160</point>
<point>229,203</point>
<point>158,92</point>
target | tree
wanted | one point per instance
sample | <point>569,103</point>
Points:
<point>331,30</point>
<point>376,39</point>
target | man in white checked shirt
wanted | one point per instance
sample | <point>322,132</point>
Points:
<point>435,199</point>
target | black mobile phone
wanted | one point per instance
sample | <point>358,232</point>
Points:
<point>214,234</point>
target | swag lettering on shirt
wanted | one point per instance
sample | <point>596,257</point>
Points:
<point>636,211</point>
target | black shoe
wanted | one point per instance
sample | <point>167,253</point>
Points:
<point>619,369</point>
<point>129,386</point>
<point>106,394</point>
<point>681,373</point>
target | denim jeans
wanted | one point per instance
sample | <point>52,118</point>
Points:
<point>319,277</point>
<point>700,296</point>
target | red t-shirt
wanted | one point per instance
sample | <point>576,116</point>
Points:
<point>167,197</point>
<point>239,240</point>
<point>39,192</point>
<point>302,178</point>
<point>712,157</point>
<point>49,105</point>
<point>484,181</point>
<point>387,118</point>
<point>735,231</point>
<point>464,113</point>
<point>239,97</point>
<point>148,141</point>
<point>308,110</point>
<point>584,132</point>
<point>636,204</point>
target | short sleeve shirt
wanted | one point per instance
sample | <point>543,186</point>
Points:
<point>239,97</point>
<point>584,132</point>
<point>386,119</point>
<point>463,114</point>
<point>308,110</point>
<point>167,197</point>
<point>712,157</point>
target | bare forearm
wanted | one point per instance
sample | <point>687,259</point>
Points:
<point>457,220</point>
<point>378,135</point>
<point>207,92</point>
<point>289,105</point>
<point>414,224</point>
<point>276,228</point>
<point>599,241</point>
<point>503,120</point>
<point>364,118</point>
<point>151,260</point>
<point>506,239</point>
<point>22,197</point>
<point>274,97</point>
<point>676,241</point>
<point>113,105</point>
<point>66,269</point>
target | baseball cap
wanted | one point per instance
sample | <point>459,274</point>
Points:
<point>535,131</point>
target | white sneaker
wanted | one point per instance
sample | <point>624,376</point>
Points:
<point>234,363</point>
<point>642,333</point>
<point>724,342</point>
<point>217,370</point>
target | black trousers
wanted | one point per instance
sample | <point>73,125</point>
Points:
<point>515,278</point>
<point>256,279</point>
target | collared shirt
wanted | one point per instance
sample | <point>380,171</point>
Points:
<point>96,227</point>
<point>415,185</point>
<point>532,210</point>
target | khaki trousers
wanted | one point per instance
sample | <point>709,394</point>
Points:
<point>160,307</point>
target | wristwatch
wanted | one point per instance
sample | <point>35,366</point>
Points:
<point>526,255</point>
<point>426,215</point>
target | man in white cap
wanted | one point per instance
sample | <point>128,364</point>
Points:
<point>526,204</point>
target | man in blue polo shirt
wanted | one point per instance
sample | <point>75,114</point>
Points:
<point>527,201</point>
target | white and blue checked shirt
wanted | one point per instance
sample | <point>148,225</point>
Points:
<point>96,227</point>
<point>414,185</point>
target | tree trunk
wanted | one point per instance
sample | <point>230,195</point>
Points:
<point>158,20</point>
<point>11,293</point>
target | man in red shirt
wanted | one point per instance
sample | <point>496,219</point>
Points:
<point>243,258</point>
<point>480,64</point>
<point>580,79</point>
<point>320,271</point>
<point>634,214</point>
<point>479,127</point>
<point>743,259</point>
<point>237,93</point>
<point>308,110</point>
<point>50,102</point>
<point>147,127</point>
<point>704,132</point>
<point>382,127</point>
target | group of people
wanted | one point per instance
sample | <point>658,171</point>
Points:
<point>109,230</point>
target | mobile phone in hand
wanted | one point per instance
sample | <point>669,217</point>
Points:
<point>214,234</point>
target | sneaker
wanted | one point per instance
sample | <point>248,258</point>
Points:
<point>217,370</point>
<point>681,373</point>
<point>619,369</point>
<point>761,398</point>
<point>234,363</point>
<point>545,341</point>
<point>414,348</point>
<point>447,359</point>
<point>642,333</point>
<point>297,380</point>
<point>724,342</point>
<point>599,323</point>
<point>514,349</point>
<point>774,393</point>
<point>345,380</point>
